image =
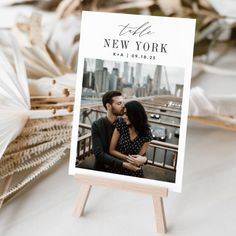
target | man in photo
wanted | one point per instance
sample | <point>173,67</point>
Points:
<point>102,130</point>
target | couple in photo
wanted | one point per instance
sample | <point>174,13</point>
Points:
<point>121,138</point>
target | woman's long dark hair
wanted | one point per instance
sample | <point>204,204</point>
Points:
<point>137,117</point>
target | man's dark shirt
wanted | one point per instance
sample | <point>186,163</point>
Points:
<point>102,131</point>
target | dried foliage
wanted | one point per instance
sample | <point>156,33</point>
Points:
<point>209,22</point>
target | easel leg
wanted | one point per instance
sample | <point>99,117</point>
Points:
<point>160,214</point>
<point>83,197</point>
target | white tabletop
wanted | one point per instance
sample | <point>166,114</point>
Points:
<point>205,207</point>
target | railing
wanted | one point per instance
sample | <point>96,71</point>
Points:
<point>163,155</point>
<point>99,113</point>
<point>84,144</point>
<point>160,154</point>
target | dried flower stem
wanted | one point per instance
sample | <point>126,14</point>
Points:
<point>213,122</point>
<point>51,99</point>
<point>38,171</point>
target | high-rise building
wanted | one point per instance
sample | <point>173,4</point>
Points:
<point>115,72</point>
<point>138,74</point>
<point>99,64</point>
<point>101,77</point>
<point>132,75</point>
<point>157,80</point>
<point>119,84</point>
<point>149,87</point>
<point>105,80</point>
<point>113,79</point>
<point>117,66</point>
<point>126,72</point>
<point>88,80</point>
<point>98,74</point>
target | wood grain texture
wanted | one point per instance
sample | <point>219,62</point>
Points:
<point>159,214</point>
<point>123,185</point>
<point>83,197</point>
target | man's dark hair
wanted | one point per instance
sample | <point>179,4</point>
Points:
<point>137,117</point>
<point>108,96</point>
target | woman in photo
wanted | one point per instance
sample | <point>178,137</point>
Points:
<point>131,139</point>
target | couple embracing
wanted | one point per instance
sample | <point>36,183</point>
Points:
<point>120,139</point>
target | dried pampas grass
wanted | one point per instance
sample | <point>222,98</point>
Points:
<point>34,132</point>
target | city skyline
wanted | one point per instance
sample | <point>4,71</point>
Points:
<point>134,79</point>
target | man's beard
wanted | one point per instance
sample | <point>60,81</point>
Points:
<point>116,113</point>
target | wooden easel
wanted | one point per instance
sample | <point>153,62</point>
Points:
<point>157,194</point>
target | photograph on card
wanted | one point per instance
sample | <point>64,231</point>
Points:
<point>130,119</point>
